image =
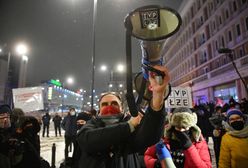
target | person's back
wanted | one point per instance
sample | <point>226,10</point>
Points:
<point>57,124</point>
<point>46,122</point>
<point>46,119</point>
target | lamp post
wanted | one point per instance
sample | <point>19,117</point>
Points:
<point>120,68</point>
<point>93,54</point>
<point>21,49</point>
<point>70,81</point>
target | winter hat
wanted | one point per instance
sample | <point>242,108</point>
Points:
<point>183,117</point>
<point>234,111</point>
<point>84,116</point>
<point>5,109</point>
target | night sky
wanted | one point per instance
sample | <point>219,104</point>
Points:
<point>59,36</point>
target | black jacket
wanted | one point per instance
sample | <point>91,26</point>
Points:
<point>114,146</point>
<point>69,124</point>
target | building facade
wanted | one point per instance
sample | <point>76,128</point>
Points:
<point>192,56</point>
<point>59,99</point>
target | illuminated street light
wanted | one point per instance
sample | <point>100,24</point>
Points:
<point>70,80</point>
<point>120,67</point>
<point>25,58</point>
<point>104,68</point>
<point>21,49</point>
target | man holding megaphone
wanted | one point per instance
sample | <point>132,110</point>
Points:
<point>112,139</point>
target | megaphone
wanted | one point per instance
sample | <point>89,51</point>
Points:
<point>151,25</point>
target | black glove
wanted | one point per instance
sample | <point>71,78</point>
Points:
<point>157,164</point>
<point>184,139</point>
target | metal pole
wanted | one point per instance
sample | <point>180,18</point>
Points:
<point>7,87</point>
<point>93,54</point>
<point>53,156</point>
<point>63,89</point>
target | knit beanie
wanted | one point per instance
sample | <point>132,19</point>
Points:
<point>84,116</point>
<point>5,109</point>
<point>233,111</point>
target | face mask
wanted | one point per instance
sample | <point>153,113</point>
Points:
<point>108,120</point>
<point>110,110</point>
<point>73,113</point>
<point>237,125</point>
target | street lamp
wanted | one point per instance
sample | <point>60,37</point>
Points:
<point>93,54</point>
<point>70,81</point>
<point>21,49</point>
<point>120,68</point>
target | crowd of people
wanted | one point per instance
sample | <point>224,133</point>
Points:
<point>112,138</point>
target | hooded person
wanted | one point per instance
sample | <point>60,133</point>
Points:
<point>234,144</point>
<point>82,118</point>
<point>184,140</point>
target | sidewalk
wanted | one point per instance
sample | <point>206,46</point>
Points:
<point>46,147</point>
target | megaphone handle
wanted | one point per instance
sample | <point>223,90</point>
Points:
<point>160,75</point>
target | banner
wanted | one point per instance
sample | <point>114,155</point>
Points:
<point>179,97</point>
<point>28,99</point>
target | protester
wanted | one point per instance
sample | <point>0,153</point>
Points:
<point>69,124</point>
<point>27,132</point>
<point>57,124</point>
<point>216,121</point>
<point>82,118</point>
<point>234,144</point>
<point>244,106</point>
<point>108,141</point>
<point>203,114</point>
<point>184,140</point>
<point>19,148</point>
<point>5,135</point>
<point>46,122</point>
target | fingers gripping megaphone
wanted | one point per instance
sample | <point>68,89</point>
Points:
<point>151,25</point>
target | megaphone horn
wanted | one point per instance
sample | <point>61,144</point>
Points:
<point>151,25</point>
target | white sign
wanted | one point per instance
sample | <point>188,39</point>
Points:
<point>179,97</point>
<point>28,99</point>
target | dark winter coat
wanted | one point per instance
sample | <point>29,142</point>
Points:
<point>57,120</point>
<point>114,146</point>
<point>46,119</point>
<point>69,124</point>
